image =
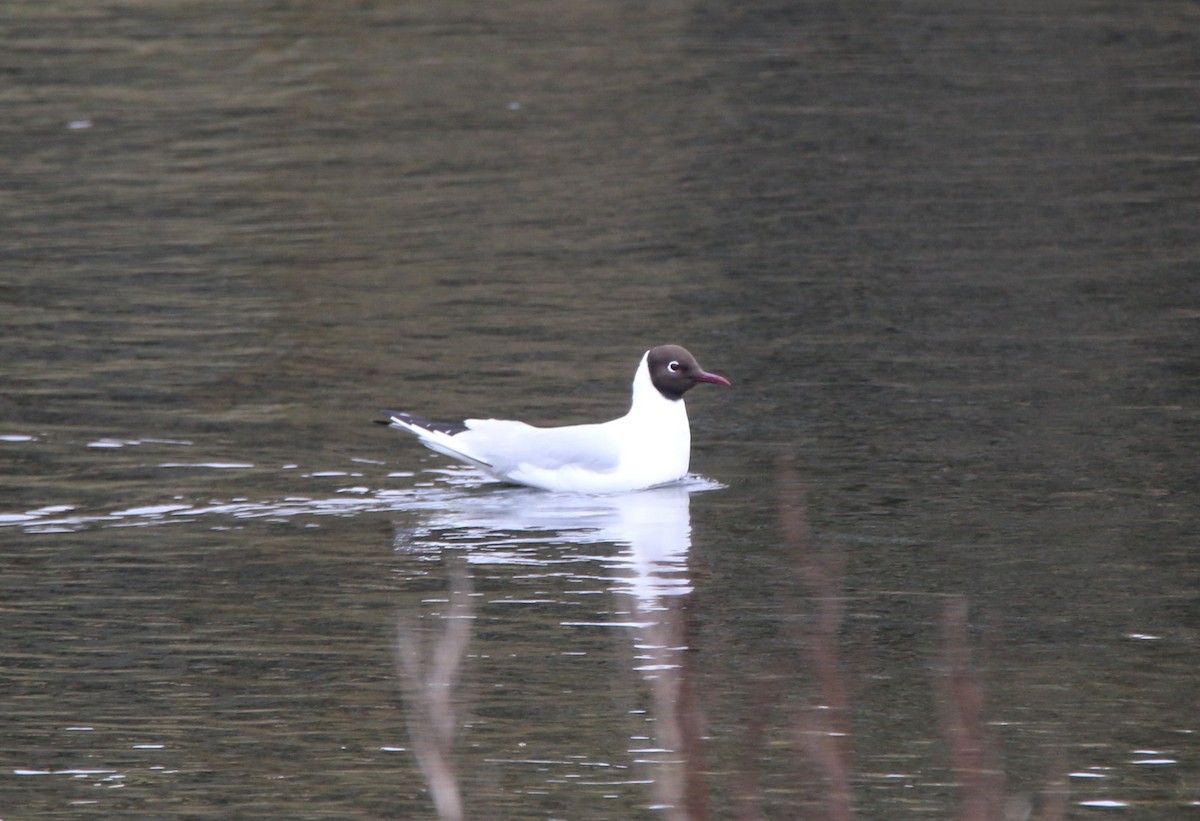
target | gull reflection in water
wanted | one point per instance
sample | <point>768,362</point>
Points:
<point>648,575</point>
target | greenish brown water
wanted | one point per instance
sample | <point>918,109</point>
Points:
<point>944,559</point>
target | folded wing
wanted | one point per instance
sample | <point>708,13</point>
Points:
<point>510,446</point>
<point>514,450</point>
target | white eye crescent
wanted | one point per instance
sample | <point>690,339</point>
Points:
<point>674,367</point>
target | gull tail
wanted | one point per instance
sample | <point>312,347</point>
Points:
<point>437,436</point>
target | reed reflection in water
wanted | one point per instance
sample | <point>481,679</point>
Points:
<point>428,676</point>
<point>649,577</point>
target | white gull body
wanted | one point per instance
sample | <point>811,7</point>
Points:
<point>648,446</point>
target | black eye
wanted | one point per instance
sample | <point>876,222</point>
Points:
<point>674,367</point>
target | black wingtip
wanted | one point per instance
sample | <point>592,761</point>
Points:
<point>450,428</point>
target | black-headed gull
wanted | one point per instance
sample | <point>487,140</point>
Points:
<point>651,445</point>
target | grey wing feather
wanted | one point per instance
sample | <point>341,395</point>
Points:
<point>508,445</point>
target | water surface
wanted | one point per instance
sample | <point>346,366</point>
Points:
<point>938,555</point>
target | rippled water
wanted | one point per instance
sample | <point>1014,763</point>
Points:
<point>937,558</point>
